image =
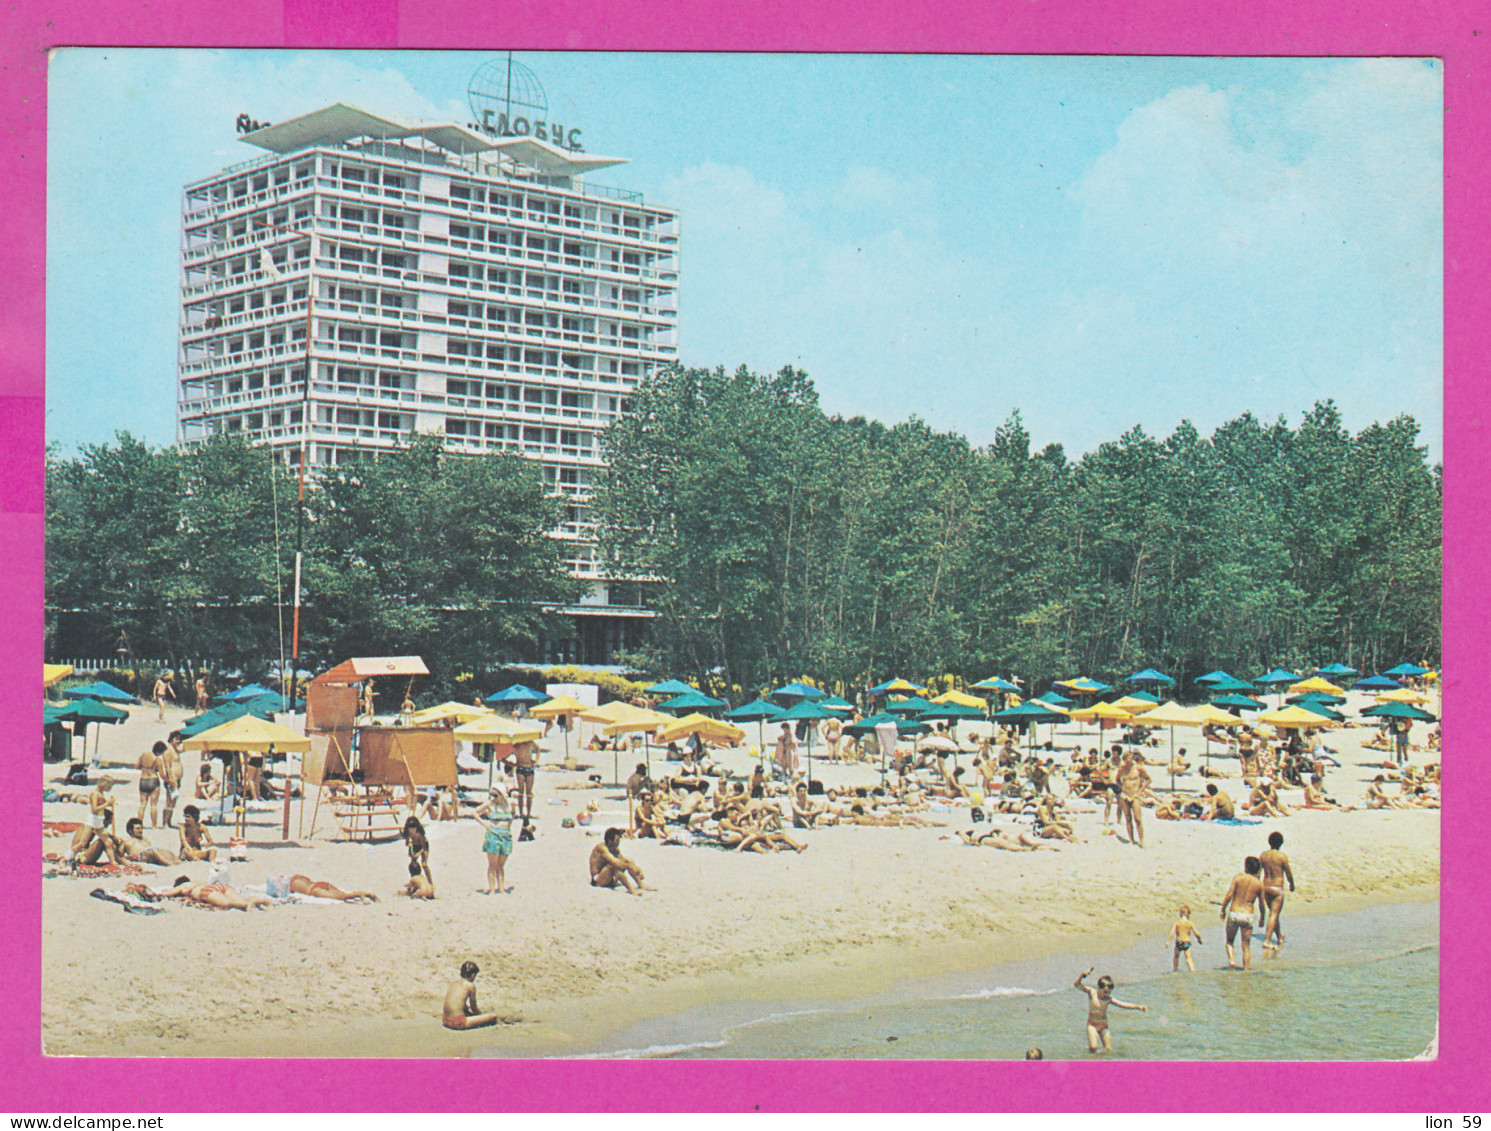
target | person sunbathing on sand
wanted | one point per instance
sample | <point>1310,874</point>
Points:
<point>135,847</point>
<point>1263,801</point>
<point>213,895</point>
<point>1221,805</point>
<point>460,1010</point>
<point>322,889</point>
<point>420,886</point>
<point>1315,797</point>
<point>995,838</point>
<point>649,821</point>
<point>1377,797</point>
<point>608,866</point>
<point>196,841</point>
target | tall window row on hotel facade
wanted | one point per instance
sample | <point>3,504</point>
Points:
<point>463,283</point>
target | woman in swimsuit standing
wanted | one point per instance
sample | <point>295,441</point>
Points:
<point>497,818</point>
<point>150,770</point>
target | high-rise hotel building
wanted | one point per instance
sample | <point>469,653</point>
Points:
<point>461,282</point>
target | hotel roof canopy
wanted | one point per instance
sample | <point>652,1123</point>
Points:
<point>336,125</point>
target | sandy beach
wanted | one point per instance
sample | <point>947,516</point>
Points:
<point>862,909</point>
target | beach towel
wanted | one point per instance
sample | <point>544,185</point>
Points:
<point>60,828</point>
<point>55,865</point>
<point>1237,821</point>
<point>131,903</point>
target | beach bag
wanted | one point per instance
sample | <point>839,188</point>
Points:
<point>277,885</point>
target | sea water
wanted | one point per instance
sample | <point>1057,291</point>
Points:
<point>1359,985</point>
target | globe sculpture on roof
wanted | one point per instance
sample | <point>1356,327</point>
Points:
<point>506,97</point>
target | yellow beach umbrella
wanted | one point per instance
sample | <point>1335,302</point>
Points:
<point>962,699</point>
<point>1135,705</point>
<point>902,685</point>
<point>54,673</point>
<point>1402,695</point>
<point>611,712</point>
<point>250,734</point>
<point>1102,711</point>
<point>1172,715</point>
<point>1315,683</point>
<point>1295,718</point>
<point>639,721</point>
<point>499,729</point>
<point>447,711</point>
<point>703,726</point>
<point>559,705</point>
<point>1213,714</point>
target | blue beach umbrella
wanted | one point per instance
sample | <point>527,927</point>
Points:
<point>757,712</point>
<point>1407,669</point>
<point>1337,669</point>
<point>1218,676</point>
<point>1277,676</point>
<point>689,701</point>
<point>1376,683</point>
<point>517,693</point>
<point>1149,675</point>
<point>800,691</point>
<point>101,691</point>
<point>669,687</point>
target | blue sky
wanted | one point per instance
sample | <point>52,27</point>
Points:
<point>1096,242</point>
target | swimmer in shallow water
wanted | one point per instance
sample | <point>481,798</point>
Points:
<point>1098,1001</point>
<point>1183,933</point>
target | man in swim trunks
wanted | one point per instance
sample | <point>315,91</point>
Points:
<point>608,866</point>
<point>196,841</point>
<point>524,759</point>
<point>1133,779</point>
<point>201,693</point>
<point>461,1010</point>
<point>1098,1001</point>
<point>149,766</point>
<point>1221,804</point>
<point>135,847</point>
<point>1237,910</point>
<point>1275,872</point>
<point>161,693</point>
<point>170,774</point>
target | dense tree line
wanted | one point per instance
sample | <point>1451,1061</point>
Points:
<point>799,544</point>
<point>788,542</point>
<point>173,552</point>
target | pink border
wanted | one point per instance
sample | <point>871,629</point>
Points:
<point>1456,1082</point>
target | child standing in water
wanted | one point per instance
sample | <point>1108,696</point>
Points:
<point>1098,1001</point>
<point>1183,933</point>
